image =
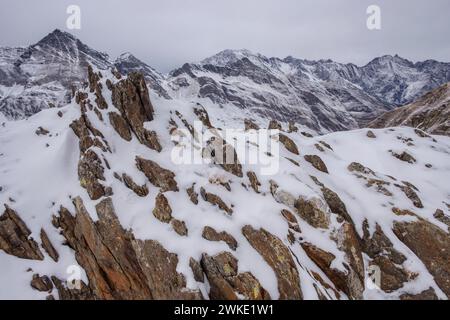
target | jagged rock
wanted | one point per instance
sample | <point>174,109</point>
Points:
<point>250,125</point>
<point>306,134</point>
<point>120,125</point>
<point>179,227</point>
<point>274,125</point>
<point>288,143</point>
<point>197,270</point>
<point>141,191</point>
<point>203,116</point>
<point>254,182</point>
<point>440,215</point>
<point>316,162</point>
<point>313,211</point>
<point>42,132</point>
<point>117,265</point>
<point>319,147</point>
<point>215,200</point>
<point>326,145</point>
<point>290,218</point>
<point>411,194</point>
<point>42,284</point>
<point>431,245</point>
<point>358,167</point>
<point>279,258</point>
<point>428,294</point>
<point>404,156</point>
<point>130,96</point>
<point>337,206</point>
<point>193,196</point>
<point>65,293</point>
<point>211,234</point>
<point>158,176</point>
<point>15,237</point>
<point>90,171</point>
<point>292,127</point>
<point>96,87</point>
<point>392,277</point>
<point>162,210</point>
<point>225,281</point>
<point>370,134</point>
<point>223,154</point>
<point>48,247</point>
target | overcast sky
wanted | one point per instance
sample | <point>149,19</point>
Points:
<point>168,33</point>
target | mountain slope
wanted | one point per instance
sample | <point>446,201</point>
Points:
<point>430,113</point>
<point>97,184</point>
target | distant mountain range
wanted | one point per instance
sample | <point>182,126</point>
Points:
<point>323,95</point>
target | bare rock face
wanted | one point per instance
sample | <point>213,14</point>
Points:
<point>404,156</point>
<point>250,125</point>
<point>215,200</point>
<point>225,280</point>
<point>211,234</point>
<point>197,270</point>
<point>48,246</point>
<point>431,245</point>
<point>193,196</point>
<point>179,227</point>
<point>42,284</point>
<point>316,162</point>
<point>158,176</point>
<point>90,171</point>
<point>288,144</point>
<point>274,125</point>
<point>337,206</point>
<point>442,217</point>
<point>254,182</point>
<point>428,294</point>
<point>162,210</point>
<point>279,258</point>
<point>120,125</point>
<point>411,194</point>
<point>370,134</point>
<point>141,191</point>
<point>223,154</point>
<point>130,97</point>
<point>15,237</point>
<point>313,212</point>
<point>117,265</point>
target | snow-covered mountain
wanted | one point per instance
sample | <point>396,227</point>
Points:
<point>430,113</point>
<point>323,95</point>
<point>94,186</point>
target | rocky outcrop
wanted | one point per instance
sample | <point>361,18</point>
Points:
<point>162,210</point>
<point>211,234</point>
<point>288,143</point>
<point>120,125</point>
<point>279,258</point>
<point>313,211</point>
<point>316,162</point>
<point>48,246</point>
<point>141,191</point>
<point>431,244</point>
<point>15,237</point>
<point>130,96</point>
<point>226,282</point>
<point>215,200</point>
<point>117,265</point>
<point>254,182</point>
<point>158,176</point>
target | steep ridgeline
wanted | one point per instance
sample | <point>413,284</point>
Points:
<point>45,74</point>
<point>324,95</point>
<point>92,185</point>
<point>430,113</point>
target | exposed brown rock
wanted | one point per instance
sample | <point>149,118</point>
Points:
<point>215,200</point>
<point>42,284</point>
<point>290,218</point>
<point>48,247</point>
<point>404,156</point>
<point>162,210</point>
<point>337,206</point>
<point>225,281</point>
<point>65,293</point>
<point>197,270</point>
<point>316,162</point>
<point>442,217</point>
<point>306,134</point>
<point>42,132</point>
<point>250,125</point>
<point>431,245</point>
<point>223,154</point>
<point>292,127</point>
<point>311,210</point>
<point>358,167</point>
<point>192,194</point>
<point>141,191</point>
<point>117,265</point>
<point>203,116</point>
<point>411,194</point>
<point>278,256</point>
<point>15,237</point>
<point>428,294</point>
<point>90,171</point>
<point>158,176</point>
<point>179,227</point>
<point>254,182</point>
<point>120,125</point>
<point>392,277</point>
<point>211,234</point>
<point>326,145</point>
<point>370,134</point>
<point>288,143</point>
<point>274,125</point>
